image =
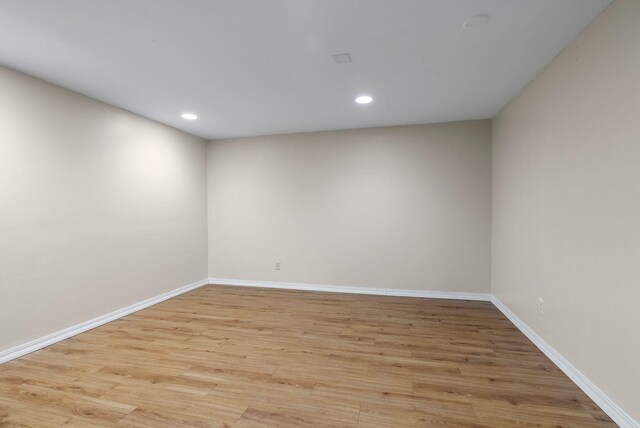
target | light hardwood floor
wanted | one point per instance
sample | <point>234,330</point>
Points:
<point>243,357</point>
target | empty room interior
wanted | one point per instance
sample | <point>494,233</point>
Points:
<point>309,213</point>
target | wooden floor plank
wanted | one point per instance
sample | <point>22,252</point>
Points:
<point>243,357</point>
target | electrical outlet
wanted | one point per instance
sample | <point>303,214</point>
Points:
<point>540,305</point>
<point>277,265</point>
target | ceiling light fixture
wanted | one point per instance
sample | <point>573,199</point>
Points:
<point>189,116</point>
<point>364,99</point>
<point>475,21</point>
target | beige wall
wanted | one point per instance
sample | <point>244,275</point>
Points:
<point>402,207</point>
<point>566,203</point>
<point>99,209</point>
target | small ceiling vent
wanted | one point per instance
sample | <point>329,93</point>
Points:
<point>342,58</point>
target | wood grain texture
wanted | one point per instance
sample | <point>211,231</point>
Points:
<point>244,357</point>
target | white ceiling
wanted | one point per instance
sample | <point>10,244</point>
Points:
<point>255,67</point>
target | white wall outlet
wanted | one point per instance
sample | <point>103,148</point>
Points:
<point>540,305</point>
<point>277,265</point>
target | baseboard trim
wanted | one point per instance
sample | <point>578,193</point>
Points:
<point>58,336</point>
<point>618,415</point>
<point>354,290</point>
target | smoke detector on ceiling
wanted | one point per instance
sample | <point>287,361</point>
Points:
<point>342,58</point>
<point>475,21</point>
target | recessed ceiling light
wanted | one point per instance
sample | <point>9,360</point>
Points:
<point>364,99</point>
<point>475,21</point>
<point>189,116</point>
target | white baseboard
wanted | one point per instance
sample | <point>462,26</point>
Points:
<point>618,415</point>
<point>600,398</point>
<point>58,336</point>
<point>355,290</point>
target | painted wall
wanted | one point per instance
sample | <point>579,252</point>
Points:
<point>566,203</point>
<point>400,207</point>
<point>99,209</point>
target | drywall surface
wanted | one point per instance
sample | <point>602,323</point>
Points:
<point>399,207</point>
<point>566,204</point>
<point>99,209</point>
